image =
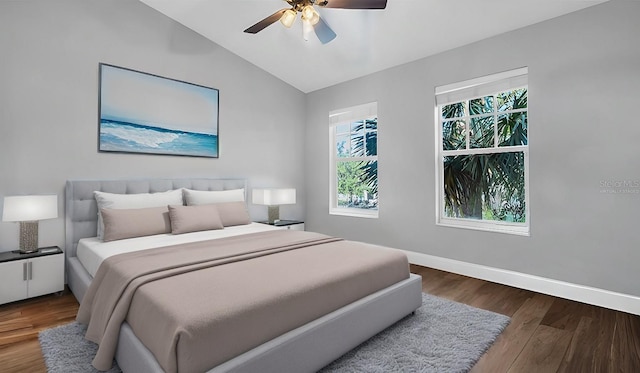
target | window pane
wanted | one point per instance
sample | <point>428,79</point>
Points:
<point>481,132</point>
<point>342,146</point>
<point>453,135</point>
<point>481,105</point>
<point>372,143</point>
<point>454,110</point>
<point>372,124</point>
<point>357,138</point>
<point>357,127</point>
<point>371,136</point>
<point>342,128</point>
<point>485,187</point>
<point>512,129</point>
<point>358,184</point>
<point>357,145</point>
<point>511,100</point>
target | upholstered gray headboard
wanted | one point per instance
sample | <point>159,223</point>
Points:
<point>81,210</point>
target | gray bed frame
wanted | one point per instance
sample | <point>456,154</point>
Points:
<point>305,349</point>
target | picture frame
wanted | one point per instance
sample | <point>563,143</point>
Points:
<point>140,112</point>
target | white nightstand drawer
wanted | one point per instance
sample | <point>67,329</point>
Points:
<point>30,275</point>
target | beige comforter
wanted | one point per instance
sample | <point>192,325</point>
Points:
<point>197,305</point>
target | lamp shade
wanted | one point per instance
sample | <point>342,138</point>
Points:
<point>274,197</point>
<point>30,208</point>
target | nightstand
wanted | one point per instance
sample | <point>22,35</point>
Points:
<point>294,225</point>
<point>30,275</point>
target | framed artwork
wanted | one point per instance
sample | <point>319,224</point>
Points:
<point>146,113</point>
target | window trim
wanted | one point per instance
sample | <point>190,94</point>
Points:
<point>336,118</point>
<point>466,91</point>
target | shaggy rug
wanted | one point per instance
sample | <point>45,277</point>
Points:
<point>442,336</point>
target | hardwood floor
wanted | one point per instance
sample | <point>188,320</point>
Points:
<point>546,334</point>
<point>20,323</point>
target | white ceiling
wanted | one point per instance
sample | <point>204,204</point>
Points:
<point>367,41</point>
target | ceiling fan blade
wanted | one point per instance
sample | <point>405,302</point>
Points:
<point>353,4</point>
<point>266,22</point>
<point>324,32</point>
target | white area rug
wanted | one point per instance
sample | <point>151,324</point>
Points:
<point>443,336</point>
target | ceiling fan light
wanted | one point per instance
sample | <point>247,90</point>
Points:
<point>307,12</point>
<point>315,19</point>
<point>288,17</point>
<point>310,14</point>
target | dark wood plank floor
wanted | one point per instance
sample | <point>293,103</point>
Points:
<point>20,323</point>
<point>546,334</point>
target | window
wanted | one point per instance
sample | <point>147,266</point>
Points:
<point>482,156</point>
<point>353,137</point>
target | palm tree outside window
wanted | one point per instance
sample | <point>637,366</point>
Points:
<point>483,152</point>
<point>354,161</point>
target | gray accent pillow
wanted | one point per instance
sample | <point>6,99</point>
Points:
<point>128,223</point>
<point>185,219</point>
<point>233,213</point>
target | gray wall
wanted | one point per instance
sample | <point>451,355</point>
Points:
<point>50,52</point>
<point>584,74</point>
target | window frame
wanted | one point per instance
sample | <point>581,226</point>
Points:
<point>466,91</point>
<point>348,116</point>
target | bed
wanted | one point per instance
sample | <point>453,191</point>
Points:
<point>305,348</point>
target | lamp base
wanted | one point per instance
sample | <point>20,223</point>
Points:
<point>28,236</point>
<point>274,214</point>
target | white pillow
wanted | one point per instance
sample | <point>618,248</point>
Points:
<point>134,201</point>
<point>204,197</point>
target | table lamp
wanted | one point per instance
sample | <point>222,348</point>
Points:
<point>273,198</point>
<point>28,210</point>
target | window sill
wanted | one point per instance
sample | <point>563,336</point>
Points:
<point>357,213</point>
<point>520,229</point>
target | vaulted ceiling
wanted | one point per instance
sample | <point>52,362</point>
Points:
<point>367,40</point>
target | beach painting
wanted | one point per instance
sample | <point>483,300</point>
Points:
<point>145,113</point>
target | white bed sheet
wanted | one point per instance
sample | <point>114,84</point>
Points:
<point>92,251</point>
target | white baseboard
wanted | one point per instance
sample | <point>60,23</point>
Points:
<point>585,294</point>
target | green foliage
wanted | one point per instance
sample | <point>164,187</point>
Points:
<point>357,177</point>
<point>351,185</point>
<point>486,186</point>
<point>349,175</point>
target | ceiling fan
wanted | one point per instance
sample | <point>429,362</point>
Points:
<point>310,18</point>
